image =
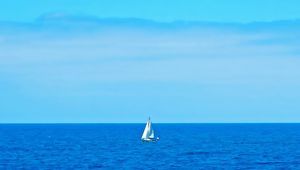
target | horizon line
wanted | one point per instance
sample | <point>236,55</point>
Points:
<point>159,123</point>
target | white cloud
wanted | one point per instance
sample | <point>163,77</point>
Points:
<point>210,71</point>
<point>135,50</point>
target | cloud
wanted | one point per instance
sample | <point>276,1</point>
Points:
<point>59,39</point>
<point>60,57</point>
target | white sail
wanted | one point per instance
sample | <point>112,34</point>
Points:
<point>148,134</point>
<point>146,130</point>
<point>151,136</point>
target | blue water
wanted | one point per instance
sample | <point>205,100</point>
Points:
<point>181,146</point>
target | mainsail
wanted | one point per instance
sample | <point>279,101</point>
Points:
<point>146,133</point>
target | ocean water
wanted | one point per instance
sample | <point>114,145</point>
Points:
<point>181,146</point>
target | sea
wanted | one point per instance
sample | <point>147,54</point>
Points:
<point>119,146</point>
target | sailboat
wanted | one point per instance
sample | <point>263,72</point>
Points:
<point>148,134</point>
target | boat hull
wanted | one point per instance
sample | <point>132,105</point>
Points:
<point>150,140</point>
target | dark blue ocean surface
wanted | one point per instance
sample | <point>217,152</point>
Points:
<point>181,146</point>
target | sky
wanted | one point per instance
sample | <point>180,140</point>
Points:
<point>176,61</point>
<point>159,10</point>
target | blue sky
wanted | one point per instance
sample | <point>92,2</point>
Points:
<point>160,10</point>
<point>225,61</point>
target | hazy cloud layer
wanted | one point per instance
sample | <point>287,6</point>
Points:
<point>102,69</point>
